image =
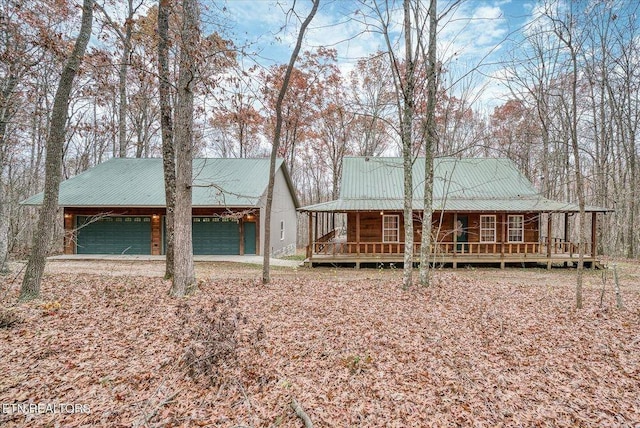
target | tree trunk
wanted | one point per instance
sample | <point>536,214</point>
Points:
<point>184,278</point>
<point>633,182</point>
<point>166,124</point>
<point>266,274</point>
<point>407,152</point>
<point>4,234</point>
<point>430,143</point>
<point>55,143</point>
<point>6,113</point>
<point>565,34</point>
<point>122,83</point>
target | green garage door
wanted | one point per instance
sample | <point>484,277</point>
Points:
<point>215,235</point>
<point>114,235</point>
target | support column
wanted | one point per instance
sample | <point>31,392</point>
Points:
<point>69,234</point>
<point>455,240</point>
<point>315,226</point>
<point>358,239</point>
<point>258,241</point>
<point>549,221</point>
<point>566,245</point>
<point>310,242</point>
<point>156,235</point>
<point>504,233</point>
<point>241,227</point>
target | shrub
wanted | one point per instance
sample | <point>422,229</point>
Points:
<point>210,338</point>
<point>9,318</point>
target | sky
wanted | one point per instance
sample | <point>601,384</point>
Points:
<point>476,34</point>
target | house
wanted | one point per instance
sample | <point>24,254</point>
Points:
<point>118,207</point>
<point>484,211</point>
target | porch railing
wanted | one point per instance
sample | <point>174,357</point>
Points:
<point>558,246</point>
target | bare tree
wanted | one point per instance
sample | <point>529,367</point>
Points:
<point>430,143</point>
<point>566,32</point>
<point>624,104</point>
<point>266,276</point>
<point>125,39</point>
<point>372,105</point>
<point>184,278</point>
<point>55,143</point>
<point>166,124</point>
<point>404,81</point>
<point>406,131</point>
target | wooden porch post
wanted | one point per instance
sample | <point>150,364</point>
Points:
<point>549,221</point>
<point>358,239</point>
<point>310,233</point>
<point>566,245</point>
<point>455,239</point>
<point>504,226</point>
<point>315,226</point>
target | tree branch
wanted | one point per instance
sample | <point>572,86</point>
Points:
<point>301,413</point>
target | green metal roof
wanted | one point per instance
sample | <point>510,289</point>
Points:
<point>140,183</point>
<point>478,184</point>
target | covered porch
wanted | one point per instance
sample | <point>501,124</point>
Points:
<point>363,238</point>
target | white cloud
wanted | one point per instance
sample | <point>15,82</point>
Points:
<point>471,35</point>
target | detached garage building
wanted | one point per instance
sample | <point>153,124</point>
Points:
<point>118,207</point>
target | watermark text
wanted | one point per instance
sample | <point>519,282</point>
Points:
<point>43,408</point>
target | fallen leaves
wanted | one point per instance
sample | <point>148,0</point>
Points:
<point>353,352</point>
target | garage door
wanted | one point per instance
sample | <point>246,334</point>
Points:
<point>215,235</point>
<point>114,235</point>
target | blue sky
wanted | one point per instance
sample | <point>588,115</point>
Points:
<point>476,33</point>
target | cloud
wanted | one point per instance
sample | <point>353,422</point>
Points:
<point>470,36</point>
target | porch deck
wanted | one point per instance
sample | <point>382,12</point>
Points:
<point>454,254</point>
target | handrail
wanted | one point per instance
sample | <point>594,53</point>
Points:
<point>451,248</point>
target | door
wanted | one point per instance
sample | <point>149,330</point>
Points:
<point>113,235</point>
<point>250,238</point>
<point>461,229</point>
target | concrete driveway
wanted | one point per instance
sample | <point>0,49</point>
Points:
<point>251,259</point>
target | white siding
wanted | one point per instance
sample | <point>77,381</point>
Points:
<point>284,209</point>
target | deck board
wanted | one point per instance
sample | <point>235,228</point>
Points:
<point>453,259</point>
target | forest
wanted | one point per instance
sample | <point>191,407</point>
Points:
<point>568,72</point>
<point>551,85</point>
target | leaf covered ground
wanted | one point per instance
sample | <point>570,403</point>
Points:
<point>479,348</point>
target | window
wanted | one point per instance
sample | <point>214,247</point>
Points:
<point>390,228</point>
<point>515,228</point>
<point>487,228</point>
<point>282,230</point>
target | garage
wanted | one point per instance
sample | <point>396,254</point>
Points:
<point>121,204</point>
<point>113,235</point>
<point>215,235</point>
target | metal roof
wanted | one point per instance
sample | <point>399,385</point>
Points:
<point>478,184</point>
<point>140,183</point>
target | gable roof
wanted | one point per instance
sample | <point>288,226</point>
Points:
<point>470,184</point>
<point>127,182</point>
